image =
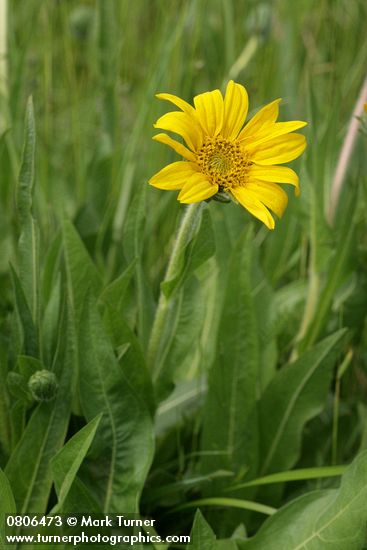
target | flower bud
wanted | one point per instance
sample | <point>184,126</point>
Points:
<point>43,385</point>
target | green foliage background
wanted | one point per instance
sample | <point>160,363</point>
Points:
<point>256,398</point>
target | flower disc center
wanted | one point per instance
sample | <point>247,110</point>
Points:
<point>224,162</point>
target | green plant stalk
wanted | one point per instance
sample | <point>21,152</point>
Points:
<point>301,474</point>
<point>341,370</point>
<point>3,47</point>
<point>224,502</point>
<point>189,219</point>
<point>3,64</point>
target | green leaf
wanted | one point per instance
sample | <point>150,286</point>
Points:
<point>224,502</point>
<point>181,339</point>
<point>203,246</point>
<point>198,247</point>
<point>51,267</point>
<point>267,321</point>
<point>26,175</point>
<point>134,226</point>
<point>24,318</point>
<point>186,398</point>
<point>83,277</point>
<point>122,450</point>
<point>202,536</point>
<point>50,320</point>
<point>133,244</point>
<point>178,488</point>
<point>17,386</point>
<point>228,442</point>
<point>29,365</point>
<point>129,353</point>
<point>66,462</point>
<point>79,500</point>
<point>29,238</point>
<point>7,506</point>
<point>295,395</point>
<point>333,280</point>
<point>119,296</point>
<point>335,519</point>
<point>293,475</point>
<point>17,421</point>
<point>5,430</point>
<point>114,294</point>
<point>239,534</point>
<point>43,435</point>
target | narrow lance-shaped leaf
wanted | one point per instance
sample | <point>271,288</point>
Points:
<point>83,277</point>
<point>66,463</point>
<point>29,238</point>
<point>133,243</point>
<point>24,319</point>
<point>333,280</point>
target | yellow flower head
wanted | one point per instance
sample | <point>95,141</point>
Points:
<point>222,155</point>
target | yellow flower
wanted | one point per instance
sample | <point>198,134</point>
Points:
<point>222,155</point>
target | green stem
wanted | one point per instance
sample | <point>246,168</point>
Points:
<point>188,223</point>
<point>3,66</point>
<point>340,372</point>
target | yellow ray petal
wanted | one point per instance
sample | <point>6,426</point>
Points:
<point>253,205</point>
<point>175,145</point>
<point>275,174</point>
<point>267,115</point>
<point>184,125</point>
<point>180,103</point>
<point>235,109</point>
<point>279,150</point>
<point>272,131</point>
<point>198,188</point>
<point>174,176</point>
<point>209,109</point>
<point>270,194</point>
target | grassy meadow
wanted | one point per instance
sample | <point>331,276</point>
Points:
<point>243,421</point>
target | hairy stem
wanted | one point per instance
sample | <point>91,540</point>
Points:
<point>188,223</point>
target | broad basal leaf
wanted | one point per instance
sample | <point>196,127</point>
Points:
<point>228,442</point>
<point>335,519</point>
<point>294,396</point>
<point>122,450</point>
